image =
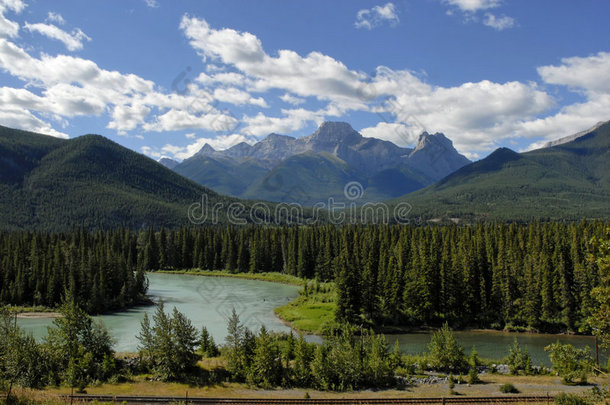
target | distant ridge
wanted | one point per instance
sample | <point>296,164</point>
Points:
<point>571,138</point>
<point>569,179</point>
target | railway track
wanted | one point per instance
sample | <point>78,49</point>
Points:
<point>142,400</point>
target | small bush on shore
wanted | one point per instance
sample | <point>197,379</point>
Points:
<point>508,388</point>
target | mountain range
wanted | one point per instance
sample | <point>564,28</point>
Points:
<point>568,179</point>
<point>317,167</point>
<point>55,184</point>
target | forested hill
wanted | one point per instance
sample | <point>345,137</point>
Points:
<point>55,184</point>
<point>568,181</point>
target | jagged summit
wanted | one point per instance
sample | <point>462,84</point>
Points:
<point>435,155</point>
<point>334,132</point>
<point>207,149</point>
<point>273,137</point>
<point>438,139</point>
<point>335,150</point>
<point>239,150</point>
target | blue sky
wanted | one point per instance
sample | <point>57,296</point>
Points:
<point>166,77</point>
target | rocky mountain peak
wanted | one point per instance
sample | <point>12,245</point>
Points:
<point>167,162</point>
<point>277,139</point>
<point>239,150</point>
<point>435,155</point>
<point>438,140</point>
<point>335,133</point>
<point>207,149</point>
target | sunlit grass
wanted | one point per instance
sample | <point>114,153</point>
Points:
<point>311,312</point>
<point>270,276</point>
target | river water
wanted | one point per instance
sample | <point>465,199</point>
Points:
<point>495,345</point>
<point>205,301</point>
<point>209,301</point>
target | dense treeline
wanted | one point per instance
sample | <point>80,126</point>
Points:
<point>490,275</point>
<point>526,275</point>
<point>99,270</point>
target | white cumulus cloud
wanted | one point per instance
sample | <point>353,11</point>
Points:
<point>55,18</point>
<point>472,10</point>
<point>315,75</point>
<point>376,16</point>
<point>591,73</point>
<point>589,76</point>
<point>396,133</point>
<point>498,23</point>
<point>473,5</point>
<point>72,40</point>
<point>151,3</point>
<point>290,99</point>
<point>293,120</point>
<point>9,28</point>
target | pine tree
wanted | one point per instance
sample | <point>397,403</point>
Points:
<point>473,375</point>
<point>236,347</point>
<point>266,368</point>
<point>599,321</point>
<point>207,346</point>
<point>348,298</point>
<point>445,352</point>
<point>303,356</point>
<point>147,344</point>
<point>186,340</point>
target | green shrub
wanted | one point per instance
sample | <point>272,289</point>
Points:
<point>508,388</point>
<point>406,371</point>
<point>570,399</point>
<point>570,363</point>
<point>597,394</point>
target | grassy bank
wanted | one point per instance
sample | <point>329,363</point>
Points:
<point>271,276</point>
<point>313,312</point>
<point>20,309</point>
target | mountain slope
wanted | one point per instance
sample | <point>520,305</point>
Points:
<point>306,178</point>
<point>384,169</point>
<point>55,184</point>
<point>567,181</point>
<point>223,175</point>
